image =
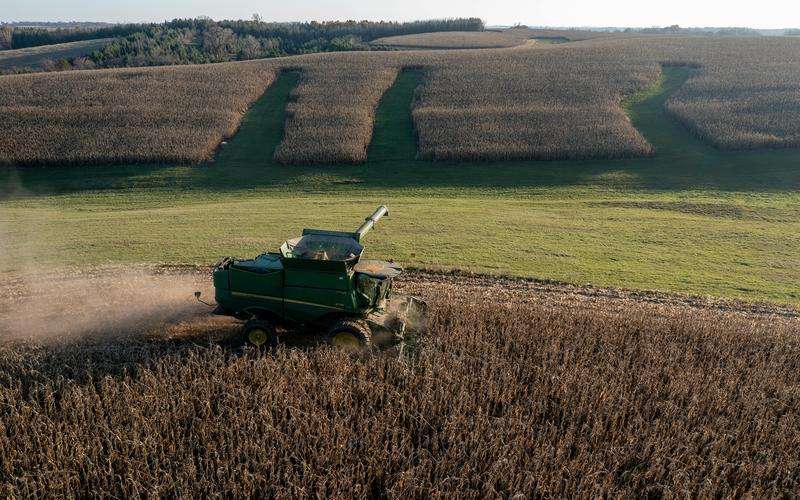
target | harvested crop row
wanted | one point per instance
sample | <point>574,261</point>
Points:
<point>576,400</point>
<point>176,114</point>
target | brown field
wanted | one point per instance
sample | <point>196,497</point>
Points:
<point>174,114</point>
<point>336,101</point>
<point>530,103</point>
<point>571,35</point>
<point>35,57</point>
<point>745,93</point>
<point>485,39</point>
<point>535,101</point>
<point>456,40</point>
<point>518,387</point>
<point>745,97</point>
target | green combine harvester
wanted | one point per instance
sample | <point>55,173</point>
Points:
<point>319,282</point>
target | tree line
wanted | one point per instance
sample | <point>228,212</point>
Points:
<point>202,40</point>
<point>291,34</point>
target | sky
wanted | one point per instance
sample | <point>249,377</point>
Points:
<point>622,13</point>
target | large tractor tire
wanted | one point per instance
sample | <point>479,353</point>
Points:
<point>260,333</point>
<point>351,334</point>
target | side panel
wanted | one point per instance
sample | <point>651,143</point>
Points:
<point>308,304</point>
<point>258,289</point>
<point>312,294</point>
<point>312,278</point>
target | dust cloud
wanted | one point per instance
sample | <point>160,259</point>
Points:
<point>109,302</point>
<point>42,301</point>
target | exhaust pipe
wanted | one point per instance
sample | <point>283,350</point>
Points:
<point>197,296</point>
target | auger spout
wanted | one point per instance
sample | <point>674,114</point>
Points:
<point>370,221</point>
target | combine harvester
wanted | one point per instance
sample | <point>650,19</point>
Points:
<point>318,282</point>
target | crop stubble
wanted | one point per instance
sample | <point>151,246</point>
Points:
<point>553,392</point>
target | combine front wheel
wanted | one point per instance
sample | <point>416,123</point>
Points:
<point>350,334</point>
<point>260,333</point>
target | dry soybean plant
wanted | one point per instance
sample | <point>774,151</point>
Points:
<point>499,400</point>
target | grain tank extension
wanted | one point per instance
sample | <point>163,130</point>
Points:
<point>317,280</point>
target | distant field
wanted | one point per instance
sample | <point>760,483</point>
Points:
<point>455,40</point>
<point>532,102</point>
<point>34,57</point>
<point>486,39</point>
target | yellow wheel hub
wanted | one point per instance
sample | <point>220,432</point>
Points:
<point>257,337</point>
<point>346,340</point>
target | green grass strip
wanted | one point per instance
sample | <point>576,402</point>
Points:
<point>393,137</point>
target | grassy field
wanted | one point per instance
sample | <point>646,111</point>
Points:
<point>691,219</point>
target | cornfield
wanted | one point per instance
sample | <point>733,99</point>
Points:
<point>533,101</point>
<point>530,103</point>
<point>332,111</point>
<point>732,105</point>
<point>144,115</point>
<point>745,93</point>
<point>579,396</point>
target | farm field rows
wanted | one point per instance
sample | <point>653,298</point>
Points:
<point>532,102</point>
<point>691,219</point>
<point>509,372</point>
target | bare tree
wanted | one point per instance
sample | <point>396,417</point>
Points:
<point>257,18</point>
<point>48,65</point>
<point>250,47</point>
<point>217,41</point>
<point>6,38</point>
<point>83,63</point>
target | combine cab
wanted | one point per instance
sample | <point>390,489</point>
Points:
<point>317,280</point>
